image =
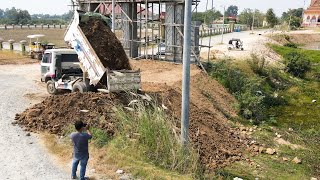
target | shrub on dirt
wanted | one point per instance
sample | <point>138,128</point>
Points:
<point>253,92</point>
<point>291,45</point>
<point>297,64</point>
<point>148,132</point>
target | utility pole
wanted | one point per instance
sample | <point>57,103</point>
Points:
<point>289,23</point>
<point>224,12</point>
<point>113,17</point>
<point>186,73</point>
<point>254,12</point>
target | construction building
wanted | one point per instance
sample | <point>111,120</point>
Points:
<point>150,28</point>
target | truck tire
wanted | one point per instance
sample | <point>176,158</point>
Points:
<point>51,88</point>
<point>79,87</point>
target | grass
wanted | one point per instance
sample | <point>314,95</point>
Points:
<point>8,57</point>
<point>55,36</point>
<point>298,112</point>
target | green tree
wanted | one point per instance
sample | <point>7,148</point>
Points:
<point>206,17</point>
<point>232,11</point>
<point>1,13</point>
<point>271,18</point>
<point>293,17</point>
<point>246,17</point>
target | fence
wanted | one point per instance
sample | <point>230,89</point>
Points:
<point>34,26</point>
<point>15,46</point>
<point>219,29</point>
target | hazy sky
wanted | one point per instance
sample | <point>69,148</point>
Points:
<point>61,6</point>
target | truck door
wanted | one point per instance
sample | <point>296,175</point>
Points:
<point>45,65</point>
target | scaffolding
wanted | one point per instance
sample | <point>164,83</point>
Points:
<point>152,29</point>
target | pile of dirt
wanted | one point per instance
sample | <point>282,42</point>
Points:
<point>105,43</point>
<point>56,112</point>
<point>211,133</point>
<point>211,105</point>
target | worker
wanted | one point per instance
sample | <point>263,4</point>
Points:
<point>80,140</point>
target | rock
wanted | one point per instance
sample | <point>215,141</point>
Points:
<point>126,177</point>
<point>28,134</point>
<point>270,151</point>
<point>297,160</point>
<point>34,112</point>
<point>237,178</point>
<point>278,136</point>
<point>262,149</point>
<point>290,129</point>
<point>30,142</point>
<point>250,129</point>
<point>314,100</point>
<point>313,178</point>
<point>119,171</point>
<point>285,159</point>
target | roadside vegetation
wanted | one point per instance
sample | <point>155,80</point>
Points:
<point>280,99</point>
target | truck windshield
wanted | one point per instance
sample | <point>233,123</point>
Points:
<point>69,58</point>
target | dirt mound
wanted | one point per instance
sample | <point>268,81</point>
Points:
<point>210,108</point>
<point>105,43</point>
<point>55,112</point>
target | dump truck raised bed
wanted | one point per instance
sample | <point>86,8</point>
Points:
<point>82,69</point>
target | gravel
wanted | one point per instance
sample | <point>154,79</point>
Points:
<point>22,157</point>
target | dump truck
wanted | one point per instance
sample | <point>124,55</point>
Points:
<point>80,70</point>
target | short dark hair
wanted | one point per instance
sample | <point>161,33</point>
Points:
<point>79,124</point>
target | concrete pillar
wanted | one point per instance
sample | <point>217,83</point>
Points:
<point>174,15</point>
<point>21,26</point>
<point>5,27</point>
<point>130,30</point>
<point>23,46</point>
<point>41,26</point>
<point>1,40</point>
<point>12,26</point>
<point>11,41</point>
<point>48,26</point>
<point>35,26</point>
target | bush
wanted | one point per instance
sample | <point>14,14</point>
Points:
<point>291,45</point>
<point>254,93</point>
<point>150,133</point>
<point>297,64</point>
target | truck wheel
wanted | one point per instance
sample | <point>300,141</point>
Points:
<point>79,87</point>
<point>51,88</point>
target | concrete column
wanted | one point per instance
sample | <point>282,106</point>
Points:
<point>130,30</point>
<point>1,40</point>
<point>23,46</point>
<point>174,15</point>
<point>11,41</point>
<point>169,31</point>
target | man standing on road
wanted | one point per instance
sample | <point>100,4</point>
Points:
<point>80,149</point>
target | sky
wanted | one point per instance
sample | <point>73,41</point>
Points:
<point>61,6</point>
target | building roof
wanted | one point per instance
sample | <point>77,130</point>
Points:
<point>314,7</point>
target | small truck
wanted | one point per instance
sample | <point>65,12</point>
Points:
<point>80,69</point>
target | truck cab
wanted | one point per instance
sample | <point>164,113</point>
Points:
<point>59,67</point>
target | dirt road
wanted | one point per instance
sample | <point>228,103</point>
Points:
<point>252,43</point>
<point>22,157</point>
